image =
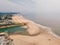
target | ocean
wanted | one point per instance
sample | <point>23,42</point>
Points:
<point>51,20</point>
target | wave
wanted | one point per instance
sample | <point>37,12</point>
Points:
<point>46,29</point>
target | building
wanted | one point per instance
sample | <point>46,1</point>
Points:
<point>6,18</point>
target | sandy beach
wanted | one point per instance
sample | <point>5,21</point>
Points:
<point>41,39</point>
<point>38,35</point>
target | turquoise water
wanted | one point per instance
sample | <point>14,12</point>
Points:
<point>12,30</point>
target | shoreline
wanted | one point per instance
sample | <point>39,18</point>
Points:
<point>8,26</point>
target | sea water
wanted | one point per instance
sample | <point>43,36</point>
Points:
<point>49,20</point>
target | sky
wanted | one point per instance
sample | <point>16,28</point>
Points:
<point>14,6</point>
<point>37,6</point>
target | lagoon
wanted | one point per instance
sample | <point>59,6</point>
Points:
<point>12,30</point>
